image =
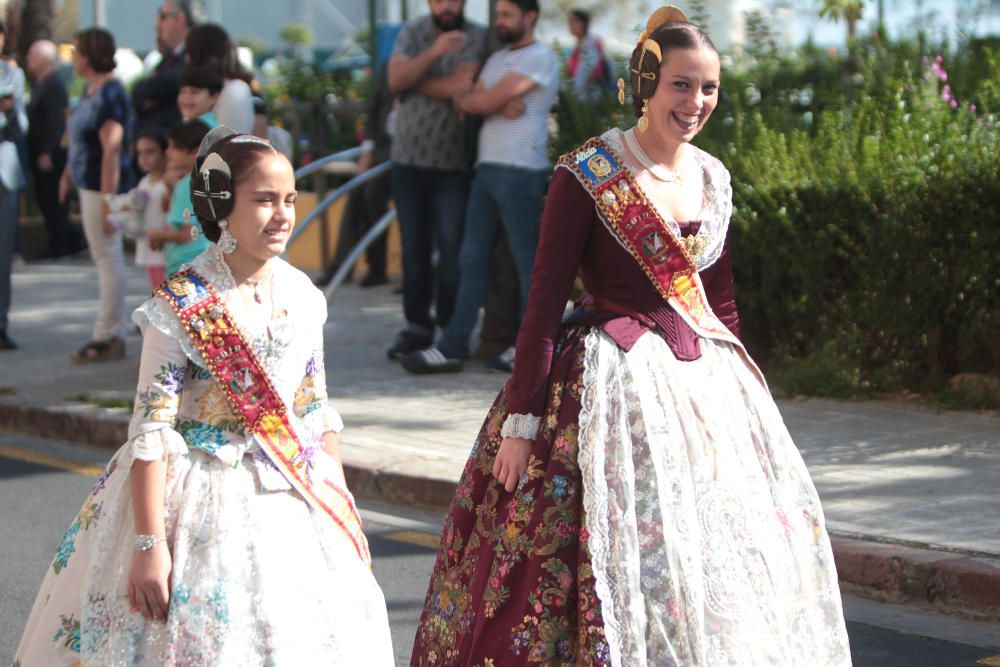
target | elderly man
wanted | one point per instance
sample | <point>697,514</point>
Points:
<point>47,157</point>
<point>155,98</point>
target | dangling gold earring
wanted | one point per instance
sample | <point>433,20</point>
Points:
<point>621,91</point>
<point>643,123</point>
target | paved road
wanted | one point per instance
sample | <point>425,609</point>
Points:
<point>39,497</point>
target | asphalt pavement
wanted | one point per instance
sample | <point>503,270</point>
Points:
<point>43,482</point>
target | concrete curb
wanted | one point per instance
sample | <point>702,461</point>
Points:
<point>949,582</point>
<point>946,581</point>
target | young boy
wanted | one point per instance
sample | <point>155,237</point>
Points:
<point>199,91</point>
<point>183,238</point>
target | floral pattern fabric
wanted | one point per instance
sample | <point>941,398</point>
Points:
<point>661,498</point>
<point>258,576</point>
<point>513,584</point>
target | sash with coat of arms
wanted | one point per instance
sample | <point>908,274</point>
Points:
<point>253,398</point>
<point>668,261</point>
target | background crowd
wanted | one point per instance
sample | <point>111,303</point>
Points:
<point>848,169</point>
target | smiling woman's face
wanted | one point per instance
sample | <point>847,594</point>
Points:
<point>686,95</point>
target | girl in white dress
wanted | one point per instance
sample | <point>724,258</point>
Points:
<point>222,532</point>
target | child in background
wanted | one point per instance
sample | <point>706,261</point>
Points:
<point>150,148</point>
<point>182,236</point>
<point>199,91</point>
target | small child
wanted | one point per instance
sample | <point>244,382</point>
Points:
<point>181,237</point>
<point>200,88</point>
<point>150,148</point>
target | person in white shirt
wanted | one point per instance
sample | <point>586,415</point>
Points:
<point>515,92</point>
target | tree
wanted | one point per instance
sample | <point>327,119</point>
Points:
<point>848,11</point>
<point>38,21</point>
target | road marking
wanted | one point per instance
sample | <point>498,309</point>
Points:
<point>413,537</point>
<point>993,661</point>
<point>39,458</point>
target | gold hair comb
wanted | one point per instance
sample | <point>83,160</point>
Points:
<point>663,15</point>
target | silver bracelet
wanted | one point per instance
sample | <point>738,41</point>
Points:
<point>147,542</point>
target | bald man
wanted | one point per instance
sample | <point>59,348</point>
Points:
<point>46,124</point>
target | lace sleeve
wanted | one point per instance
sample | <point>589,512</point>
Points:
<point>162,368</point>
<point>158,313</point>
<point>520,426</point>
<point>311,403</point>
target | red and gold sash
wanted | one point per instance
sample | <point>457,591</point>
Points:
<point>253,398</point>
<point>638,226</point>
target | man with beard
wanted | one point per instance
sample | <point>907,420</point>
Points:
<point>435,58</point>
<point>515,91</point>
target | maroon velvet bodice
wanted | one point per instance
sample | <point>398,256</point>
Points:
<point>622,301</point>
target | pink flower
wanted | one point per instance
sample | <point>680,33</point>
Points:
<point>538,607</point>
<point>954,103</point>
<point>946,94</point>
<point>972,108</point>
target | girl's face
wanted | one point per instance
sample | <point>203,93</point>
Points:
<point>194,102</point>
<point>263,213</point>
<point>152,159</point>
<point>686,95</point>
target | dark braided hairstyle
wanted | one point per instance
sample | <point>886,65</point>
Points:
<point>210,185</point>
<point>644,67</point>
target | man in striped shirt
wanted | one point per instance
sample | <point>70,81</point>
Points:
<point>515,92</point>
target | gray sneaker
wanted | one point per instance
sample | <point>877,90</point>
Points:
<point>430,360</point>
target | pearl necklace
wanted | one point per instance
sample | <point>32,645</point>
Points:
<point>658,170</point>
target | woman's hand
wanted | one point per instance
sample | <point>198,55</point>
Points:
<point>512,461</point>
<point>149,582</point>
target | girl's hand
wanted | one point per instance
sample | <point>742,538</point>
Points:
<point>64,186</point>
<point>512,461</point>
<point>106,225</point>
<point>149,582</point>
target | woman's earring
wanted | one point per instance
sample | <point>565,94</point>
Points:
<point>621,91</point>
<point>227,242</point>
<point>643,123</point>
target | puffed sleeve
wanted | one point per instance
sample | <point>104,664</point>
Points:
<point>162,369</point>
<point>312,403</point>
<point>566,226</point>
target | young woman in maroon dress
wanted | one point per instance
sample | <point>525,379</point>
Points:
<point>634,497</point>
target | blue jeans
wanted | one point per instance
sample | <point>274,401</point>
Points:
<point>504,200</point>
<point>430,204</point>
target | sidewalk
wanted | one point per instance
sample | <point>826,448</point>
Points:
<point>910,494</point>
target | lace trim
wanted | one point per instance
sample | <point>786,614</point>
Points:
<point>590,458</point>
<point>157,312</point>
<point>521,426</point>
<point>152,445</point>
<point>324,419</point>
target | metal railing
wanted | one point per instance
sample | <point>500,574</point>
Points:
<point>328,200</point>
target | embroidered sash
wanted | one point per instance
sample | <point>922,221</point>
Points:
<point>253,398</point>
<point>638,226</point>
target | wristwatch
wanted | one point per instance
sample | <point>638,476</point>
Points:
<point>147,542</point>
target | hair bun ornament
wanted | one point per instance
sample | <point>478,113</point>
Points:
<point>662,16</point>
<point>211,178</point>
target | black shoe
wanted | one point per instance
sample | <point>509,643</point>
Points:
<point>6,342</point>
<point>373,280</point>
<point>408,340</point>
<point>503,362</point>
<point>430,360</point>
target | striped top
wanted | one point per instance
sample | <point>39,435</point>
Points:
<point>521,142</point>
